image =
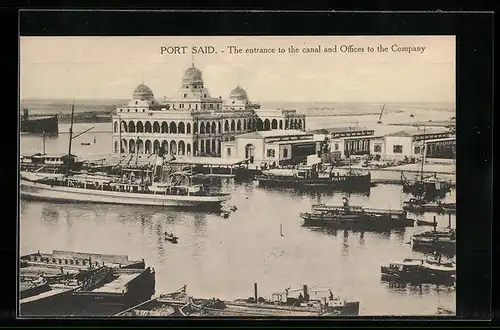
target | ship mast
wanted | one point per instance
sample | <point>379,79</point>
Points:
<point>70,136</point>
<point>423,159</point>
<point>120,136</point>
<point>349,148</point>
<point>43,142</point>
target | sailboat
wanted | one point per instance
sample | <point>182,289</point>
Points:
<point>381,114</point>
<point>167,188</point>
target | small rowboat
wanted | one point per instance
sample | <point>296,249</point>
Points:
<point>171,238</point>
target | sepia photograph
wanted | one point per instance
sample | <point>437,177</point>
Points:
<point>247,176</point>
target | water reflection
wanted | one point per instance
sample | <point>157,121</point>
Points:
<point>223,257</point>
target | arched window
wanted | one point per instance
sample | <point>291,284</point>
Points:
<point>147,127</point>
<point>164,127</point>
<point>181,128</point>
<point>274,124</point>
<point>156,127</point>
<point>173,128</point>
<point>188,128</point>
<point>140,127</point>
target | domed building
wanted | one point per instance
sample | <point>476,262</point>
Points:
<point>193,123</point>
<point>143,92</point>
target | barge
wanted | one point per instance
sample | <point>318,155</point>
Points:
<point>350,217</point>
<point>72,283</point>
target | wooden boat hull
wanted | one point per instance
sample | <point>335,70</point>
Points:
<point>354,182</point>
<point>355,221</point>
<point>173,240</point>
<point>417,276</point>
<point>56,303</point>
<point>445,246</point>
<point>43,191</point>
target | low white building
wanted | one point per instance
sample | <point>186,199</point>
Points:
<point>407,143</point>
<point>278,147</point>
<point>345,141</point>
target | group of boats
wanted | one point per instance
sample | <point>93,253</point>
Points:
<point>81,284</point>
<point>65,283</point>
<point>300,302</point>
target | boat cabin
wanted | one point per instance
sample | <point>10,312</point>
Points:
<point>406,265</point>
<point>48,161</point>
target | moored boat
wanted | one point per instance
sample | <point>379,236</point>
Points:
<point>416,205</point>
<point>419,271</point>
<point>311,177</point>
<point>40,124</point>
<point>177,192</point>
<point>288,303</point>
<point>428,188</point>
<point>348,216</point>
<point>74,283</point>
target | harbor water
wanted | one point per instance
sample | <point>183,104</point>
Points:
<point>263,241</point>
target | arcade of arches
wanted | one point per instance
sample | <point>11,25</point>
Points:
<point>205,135</point>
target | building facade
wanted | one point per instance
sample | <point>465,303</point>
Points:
<point>275,147</point>
<point>409,143</point>
<point>192,123</point>
<point>346,141</point>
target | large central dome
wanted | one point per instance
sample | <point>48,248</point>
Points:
<point>192,76</point>
<point>143,92</point>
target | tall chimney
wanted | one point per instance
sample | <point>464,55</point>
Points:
<point>449,220</point>
<point>255,291</point>
<point>435,223</point>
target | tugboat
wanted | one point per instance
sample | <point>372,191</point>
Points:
<point>419,271</point>
<point>347,216</point>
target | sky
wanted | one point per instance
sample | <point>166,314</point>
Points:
<point>112,67</point>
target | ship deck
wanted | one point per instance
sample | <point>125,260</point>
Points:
<point>257,310</point>
<point>56,290</point>
<point>118,285</point>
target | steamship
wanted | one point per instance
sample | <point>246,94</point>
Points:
<point>163,187</point>
<point>39,125</point>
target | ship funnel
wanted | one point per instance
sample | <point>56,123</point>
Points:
<point>306,293</point>
<point>255,292</point>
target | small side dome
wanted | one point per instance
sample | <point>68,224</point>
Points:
<point>143,92</point>
<point>238,94</point>
<point>192,75</point>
